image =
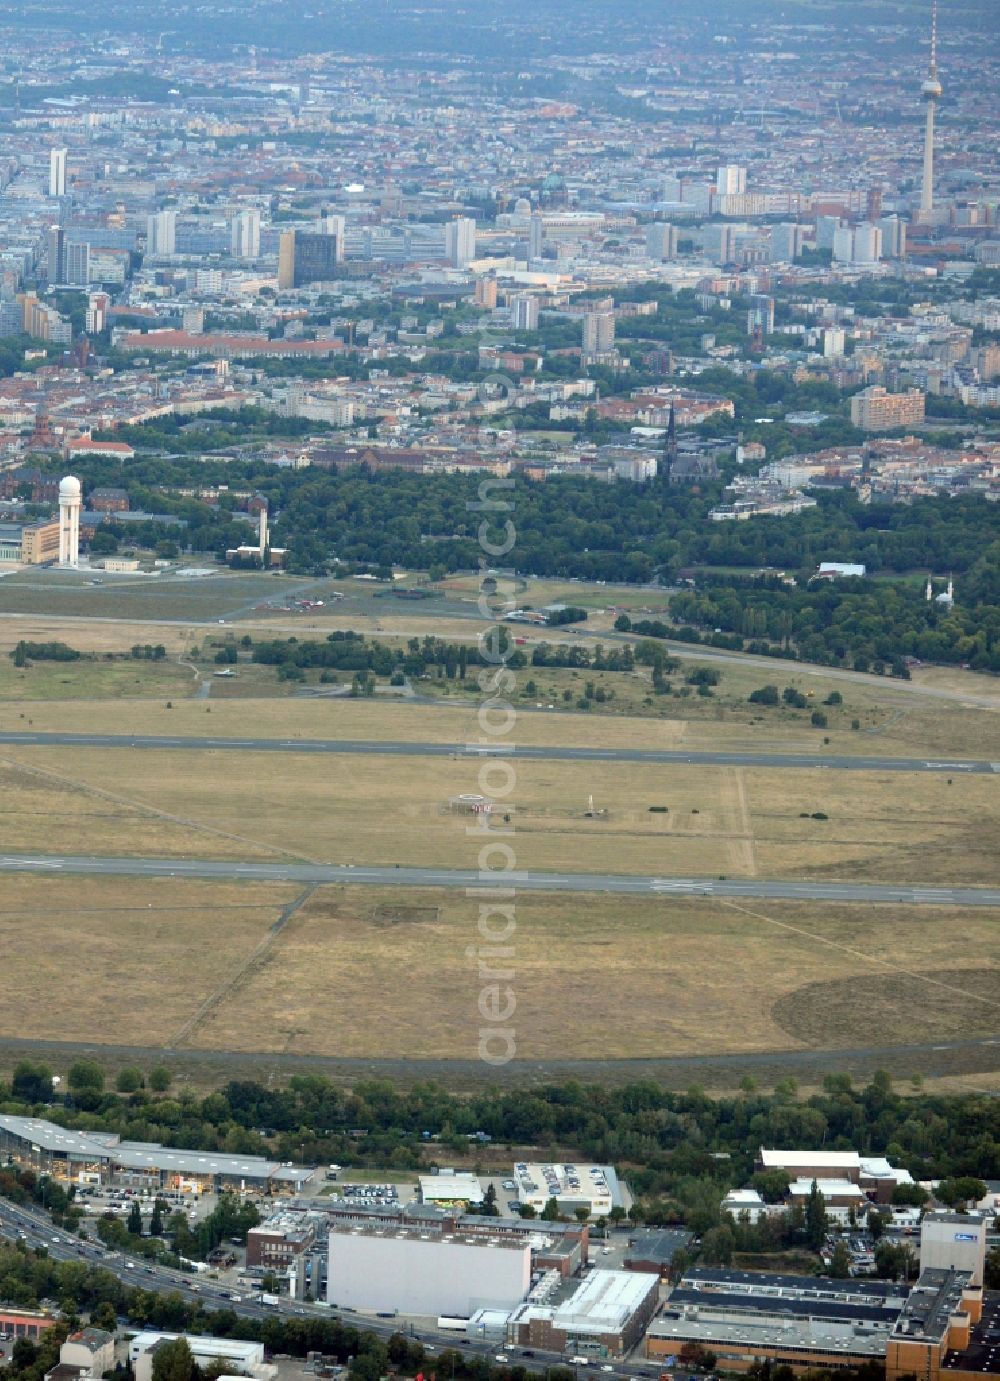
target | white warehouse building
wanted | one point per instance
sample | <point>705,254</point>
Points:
<point>391,1268</point>
<point>241,1358</point>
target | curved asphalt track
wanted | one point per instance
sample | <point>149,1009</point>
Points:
<point>402,748</point>
<point>475,882</point>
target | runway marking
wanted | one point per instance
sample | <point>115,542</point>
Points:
<point>298,869</point>
<point>772,759</point>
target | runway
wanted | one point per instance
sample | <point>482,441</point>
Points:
<point>527,752</point>
<point>52,865</point>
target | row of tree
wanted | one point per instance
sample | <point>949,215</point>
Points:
<point>682,1151</point>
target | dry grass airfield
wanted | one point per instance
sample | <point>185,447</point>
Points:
<point>359,972</point>
<point>378,809</point>
<point>371,973</point>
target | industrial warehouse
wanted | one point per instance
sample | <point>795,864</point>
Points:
<point>805,1322</point>
<point>102,1158</point>
<point>425,1273</point>
<point>495,1280</point>
<point>534,1285</point>
<point>744,1317</point>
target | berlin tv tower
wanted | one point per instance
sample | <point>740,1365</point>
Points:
<point>930,90</point>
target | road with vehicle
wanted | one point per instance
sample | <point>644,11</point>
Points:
<point>35,1229</point>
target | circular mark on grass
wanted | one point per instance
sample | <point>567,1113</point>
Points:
<point>893,1009</point>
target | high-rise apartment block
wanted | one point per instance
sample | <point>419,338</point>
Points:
<point>536,236</point>
<point>661,241</point>
<point>161,233</point>
<point>857,244</point>
<point>731,181</point>
<point>893,237</point>
<point>460,241</point>
<point>875,410</point>
<point>719,243</point>
<point>244,235</point>
<point>486,291</point>
<point>57,254</point>
<point>97,313</point>
<point>524,313</point>
<point>843,244</point>
<point>867,244</point>
<point>57,172</point>
<point>598,333</point>
<point>78,264</point>
<point>332,224</point>
<point>760,316</point>
<point>787,240</point>
<point>826,229</point>
<point>286,260</point>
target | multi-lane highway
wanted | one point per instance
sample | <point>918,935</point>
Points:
<point>36,1231</point>
<point>370,876</point>
<point>536,752</point>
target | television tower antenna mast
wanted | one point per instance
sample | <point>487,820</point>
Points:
<point>930,91</point>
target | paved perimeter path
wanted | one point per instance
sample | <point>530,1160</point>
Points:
<point>346,874</point>
<point>402,748</point>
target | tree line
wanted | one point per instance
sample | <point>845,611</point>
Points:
<point>668,1143</point>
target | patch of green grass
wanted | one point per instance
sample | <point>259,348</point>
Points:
<point>94,680</point>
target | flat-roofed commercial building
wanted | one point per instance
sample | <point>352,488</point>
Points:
<point>78,1156</point>
<point>840,1197</point>
<point>594,1187</point>
<point>241,1358</point>
<point>873,1174</point>
<point>280,1240</point>
<point>25,1323</point>
<point>653,1250</point>
<point>801,1321</point>
<point>812,1165</point>
<point>462,1188</point>
<point>40,543</point>
<point>604,1314</point>
<point>29,544</point>
<point>945,1330</point>
<point>425,1273</point>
